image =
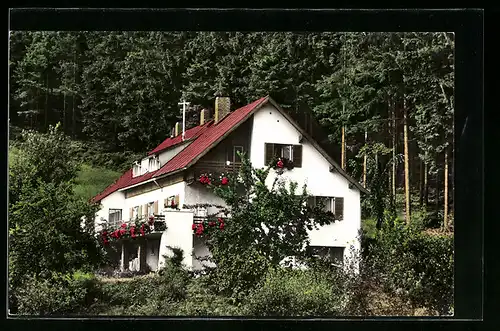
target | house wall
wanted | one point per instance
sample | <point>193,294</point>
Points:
<point>152,253</point>
<point>178,234</point>
<point>116,200</point>
<point>200,250</point>
<point>198,193</point>
<point>270,126</point>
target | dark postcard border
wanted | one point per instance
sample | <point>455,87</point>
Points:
<point>468,26</point>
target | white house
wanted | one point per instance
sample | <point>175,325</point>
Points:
<point>169,175</point>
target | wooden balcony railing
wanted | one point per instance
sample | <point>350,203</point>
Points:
<point>220,166</point>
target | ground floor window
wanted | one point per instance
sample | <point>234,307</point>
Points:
<point>333,254</point>
<point>115,215</point>
<point>331,204</point>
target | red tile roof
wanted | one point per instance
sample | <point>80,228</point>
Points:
<point>208,138</point>
<point>189,134</point>
<point>202,138</point>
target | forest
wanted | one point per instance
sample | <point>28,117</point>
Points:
<point>385,102</point>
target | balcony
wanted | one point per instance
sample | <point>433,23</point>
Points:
<point>217,166</point>
<point>158,223</point>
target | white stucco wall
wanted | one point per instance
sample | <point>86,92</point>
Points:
<point>157,195</point>
<point>179,234</point>
<point>197,193</point>
<point>200,250</point>
<point>152,253</point>
<point>167,155</point>
<point>115,200</point>
<point>270,126</point>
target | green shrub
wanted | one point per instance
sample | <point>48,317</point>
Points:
<point>62,294</point>
<point>286,292</point>
<point>150,295</point>
<point>414,265</point>
<point>201,301</point>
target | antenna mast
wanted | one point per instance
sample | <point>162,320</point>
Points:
<point>184,105</point>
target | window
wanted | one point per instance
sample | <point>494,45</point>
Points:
<point>136,170</point>
<point>333,204</point>
<point>135,212</point>
<point>291,152</point>
<point>150,209</point>
<point>333,254</point>
<point>236,150</point>
<point>154,164</point>
<point>115,215</point>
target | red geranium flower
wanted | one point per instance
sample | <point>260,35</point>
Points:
<point>172,204</point>
<point>221,226</point>
<point>124,225</point>
<point>199,229</point>
<point>220,220</point>
<point>132,231</point>
<point>224,181</point>
<point>193,226</point>
<point>211,223</point>
<point>280,164</point>
<point>117,234</point>
<point>142,230</point>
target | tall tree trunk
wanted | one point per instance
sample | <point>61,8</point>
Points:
<point>46,101</point>
<point>421,184</point>
<point>343,156</point>
<point>73,116</point>
<point>426,186</point>
<point>407,161</point>
<point>394,163</point>
<point>436,198</point>
<point>64,112</point>
<point>445,189</point>
<point>364,161</point>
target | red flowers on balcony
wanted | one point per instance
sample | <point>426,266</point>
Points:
<point>137,229</point>
<point>205,179</point>
<point>224,181</point>
<point>207,226</point>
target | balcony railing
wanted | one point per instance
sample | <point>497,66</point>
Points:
<point>222,166</point>
<point>158,224</point>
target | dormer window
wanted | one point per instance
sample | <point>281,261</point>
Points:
<point>145,166</point>
<point>136,170</point>
<point>154,164</point>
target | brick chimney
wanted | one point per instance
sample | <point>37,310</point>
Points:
<point>177,129</point>
<point>222,108</point>
<point>203,113</point>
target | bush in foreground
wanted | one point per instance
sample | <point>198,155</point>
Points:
<point>60,295</point>
<point>414,265</point>
<point>286,292</point>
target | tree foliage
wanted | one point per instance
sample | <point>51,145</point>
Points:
<point>120,90</point>
<point>45,217</point>
<point>266,224</point>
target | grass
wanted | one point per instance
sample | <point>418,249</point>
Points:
<point>93,180</point>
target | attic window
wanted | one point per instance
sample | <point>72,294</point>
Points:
<point>136,170</point>
<point>154,164</point>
